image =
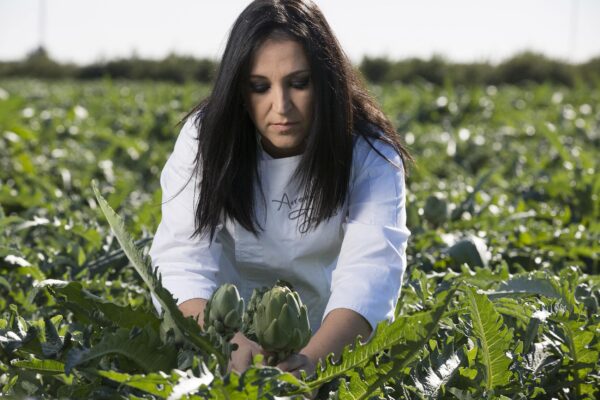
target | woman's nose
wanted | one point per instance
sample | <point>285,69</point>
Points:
<point>281,101</point>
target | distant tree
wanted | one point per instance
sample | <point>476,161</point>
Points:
<point>205,70</point>
<point>38,63</point>
<point>375,69</point>
<point>590,71</point>
<point>522,68</point>
<point>534,67</point>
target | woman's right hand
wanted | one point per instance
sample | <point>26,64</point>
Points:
<point>242,358</point>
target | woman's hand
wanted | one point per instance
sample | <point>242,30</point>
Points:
<point>300,362</point>
<point>296,362</point>
<point>242,358</point>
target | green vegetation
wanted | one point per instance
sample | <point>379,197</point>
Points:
<point>522,68</point>
<point>502,288</point>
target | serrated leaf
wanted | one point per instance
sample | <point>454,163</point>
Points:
<point>404,337</point>
<point>583,358</point>
<point>143,347</point>
<point>540,283</point>
<point>493,337</point>
<point>535,361</point>
<point>184,328</point>
<point>187,385</point>
<point>517,309</point>
<point>359,380</point>
<point>87,307</point>
<point>436,372</point>
<point>256,383</point>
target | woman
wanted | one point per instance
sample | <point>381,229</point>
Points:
<point>290,171</point>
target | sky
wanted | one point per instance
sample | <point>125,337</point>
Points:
<point>84,31</point>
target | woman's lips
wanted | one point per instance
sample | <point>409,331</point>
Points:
<point>284,127</point>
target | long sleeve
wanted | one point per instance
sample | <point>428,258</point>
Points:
<point>188,266</point>
<point>370,267</point>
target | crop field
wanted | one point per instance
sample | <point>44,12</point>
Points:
<point>500,298</point>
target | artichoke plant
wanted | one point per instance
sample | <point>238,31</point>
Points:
<point>224,312</point>
<point>281,323</point>
<point>436,209</point>
<point>470,250</point>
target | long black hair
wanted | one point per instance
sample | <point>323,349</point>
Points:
<point>226,161</point>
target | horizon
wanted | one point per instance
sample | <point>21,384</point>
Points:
<point>464,31</point>
<point>393,60</point>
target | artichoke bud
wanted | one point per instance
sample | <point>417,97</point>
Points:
<point>470,250</point>
<point>233,318</point>
<point>281,322</point>
<point>224,311</point>
<point>436,209</point>
<point>248,319</point>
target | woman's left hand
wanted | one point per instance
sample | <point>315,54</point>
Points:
<point>296,362</point>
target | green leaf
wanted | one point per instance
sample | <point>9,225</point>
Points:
<point>256,383</point>
<point>359,380</point>
<point>52,344</point>
<point>4,282</point>
<point>10,384</point>
<point>158,384</point>
<point>583,358</point>
<point>143,347</point>
<point>42,366</point>
<point>91,309</point>
<point>404,338</point>
<point>515,308</point>
<point>493,337</point>
<point>537,359</point>
<point>184,328</point>
<point>441,365</point>
<point>538,284</point>
<point>20,336</point>
<point>528,285</point>
<point>461,394</point>
<point>113,260</point>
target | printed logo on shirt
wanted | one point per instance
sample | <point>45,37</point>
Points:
<point>297,211</point>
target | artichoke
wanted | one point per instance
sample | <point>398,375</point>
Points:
<point>471,250</point>
<point>224,311</point>
<point>248,327</point>
<point>436,209</point>
<point>281,323</point>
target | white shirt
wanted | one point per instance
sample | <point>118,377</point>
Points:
<point>355,260</point>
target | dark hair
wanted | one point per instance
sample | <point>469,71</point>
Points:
<point>227,146</point>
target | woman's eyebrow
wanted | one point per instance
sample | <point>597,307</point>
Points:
<point>287,76</point>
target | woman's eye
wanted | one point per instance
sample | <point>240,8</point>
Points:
<point>300,84</point>
<point>262,87</point>
<point>258,88</point>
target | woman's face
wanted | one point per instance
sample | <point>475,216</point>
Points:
<point>279,97</point>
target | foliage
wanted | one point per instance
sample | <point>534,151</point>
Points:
<point>517,169</point>
<point>520,69</point>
